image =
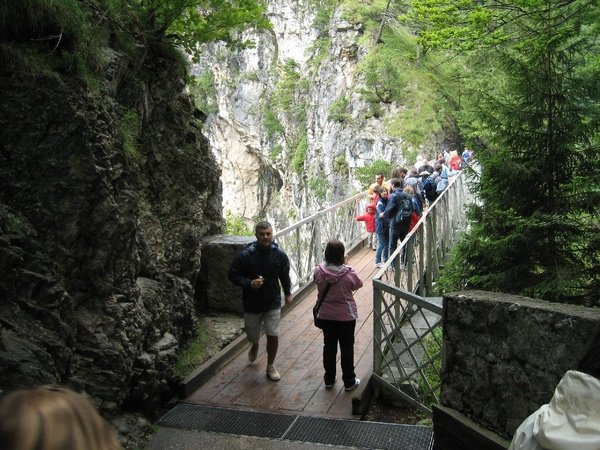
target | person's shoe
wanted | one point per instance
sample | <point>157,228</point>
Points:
<point>377,265</point>
<point>329,385</point>
<point>272,373</point>
<point>354,386</point>
<point>253,352</point>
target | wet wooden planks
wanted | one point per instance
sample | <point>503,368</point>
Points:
<point>299,361</point>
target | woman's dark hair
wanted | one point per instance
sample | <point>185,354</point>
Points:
<point>335,252</point>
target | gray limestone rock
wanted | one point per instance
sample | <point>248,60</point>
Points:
<point>100,245</point>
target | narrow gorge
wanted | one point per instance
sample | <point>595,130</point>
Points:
<point>115,163</point>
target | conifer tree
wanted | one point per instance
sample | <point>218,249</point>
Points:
<point>534,108</point>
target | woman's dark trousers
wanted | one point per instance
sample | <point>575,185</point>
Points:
<point>343,332</point>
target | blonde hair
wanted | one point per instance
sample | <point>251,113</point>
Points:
<point>53,418</point>
<point>409,190</point>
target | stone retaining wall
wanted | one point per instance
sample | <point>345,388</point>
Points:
<point>214,291</point>
<point>504,354</point>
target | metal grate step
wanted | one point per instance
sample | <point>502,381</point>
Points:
<point>350,433</point>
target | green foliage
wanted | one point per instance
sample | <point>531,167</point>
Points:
<point>202,89</point>
<point>273,126</point>
<point>319,186</point>
<point>130,128</point>
<point>389,67</point>
<point>392,74</point>
<point>366,175</point>
<point>275,152</point>
<point>284,95</point>
<point>320,52</point>
<point>236,226</point>
<point>338,110</point>
<point>52,35</point>
<point>431,367</point>
<point>193,355</point>
<point>365,12</point>
<point>537,111</point>
<point>340,165</point>
<point>460,25</point>
<point>190,23</point>
<point>251,75</point>
<point>324,12</point>
<point>300,153</point>
<point>288,105</point>
<point>70,35</point>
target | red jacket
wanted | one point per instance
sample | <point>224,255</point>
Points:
<point>368,219</point>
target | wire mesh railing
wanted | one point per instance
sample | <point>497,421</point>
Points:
<point>407,339</point>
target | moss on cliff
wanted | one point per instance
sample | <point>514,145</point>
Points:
<point>106,188</point>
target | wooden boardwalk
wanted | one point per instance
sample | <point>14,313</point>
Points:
<point>299,361</point>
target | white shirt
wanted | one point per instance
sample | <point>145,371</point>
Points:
<point>571,421</point>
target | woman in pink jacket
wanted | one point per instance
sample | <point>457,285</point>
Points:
<point>339,313</point>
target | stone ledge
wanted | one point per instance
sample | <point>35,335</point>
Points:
<point>455,431</point>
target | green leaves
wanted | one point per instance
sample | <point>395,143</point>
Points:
<point>532,105</point>
<point>457,25</point>
<point>191,23</point>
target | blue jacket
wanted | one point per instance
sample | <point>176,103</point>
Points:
<point>273,264</point>
<point>381,223</point>
<point>392,208</point>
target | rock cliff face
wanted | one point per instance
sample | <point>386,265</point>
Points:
<point>289,126</point>
<point>105,194</point>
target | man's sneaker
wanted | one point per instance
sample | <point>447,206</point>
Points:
<point>378,265</point>
<point>329,385</point>
<point>253,352</point>
<point>354,386</point>
<point>272,373</point>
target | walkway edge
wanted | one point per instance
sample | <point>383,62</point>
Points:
<point>210,368</point>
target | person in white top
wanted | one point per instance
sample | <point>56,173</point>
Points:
<point>571,421</point>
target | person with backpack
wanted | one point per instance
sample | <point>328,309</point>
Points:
<point>398,212</point>
<point>414,180</point>
<point>443,180</point>
<point>417,207</point>
<point>430,184</point>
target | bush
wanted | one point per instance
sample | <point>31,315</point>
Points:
<point>204,92</point>
<point>130,128</point>
<point>319,186</point>
<point>338,110</point>
<point>193,355</point>
<point>236,226</point>
<point>300,153</point>
<point>431,372</point>
<point>366,175</point>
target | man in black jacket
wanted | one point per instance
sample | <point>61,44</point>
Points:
<point>259,269</point>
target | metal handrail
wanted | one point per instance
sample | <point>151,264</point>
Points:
<point>304,241</point>
<point>407,338</point>
<point>406,326</point>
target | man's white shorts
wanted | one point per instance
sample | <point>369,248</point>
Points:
<point>253,324</point>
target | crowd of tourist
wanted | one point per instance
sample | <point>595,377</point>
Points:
<point>398,204</point>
